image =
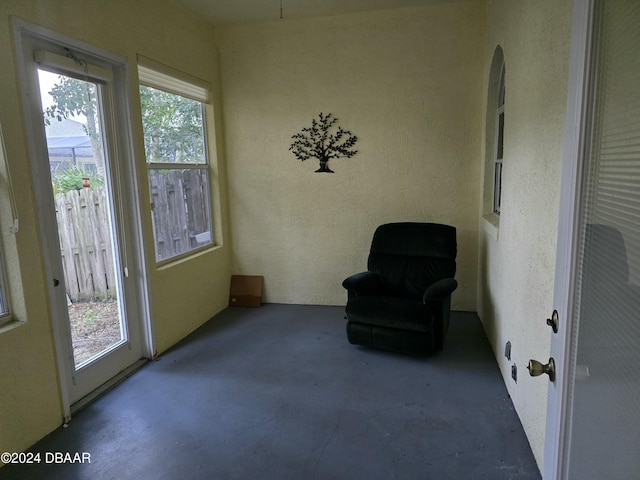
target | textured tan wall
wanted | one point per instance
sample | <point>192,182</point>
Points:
<point>411,84</point>
<point>517,260</point>
<point>408,83</point>
<point>184,295</point>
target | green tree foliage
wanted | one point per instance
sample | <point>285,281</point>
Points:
<point>318,142</point>
<point>71,179</point>
<point>173,127</point>
<point>72,98</point>
<point>76,98</point>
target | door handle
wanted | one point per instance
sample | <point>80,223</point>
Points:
<point>536,368</point>
<point>56,282</point>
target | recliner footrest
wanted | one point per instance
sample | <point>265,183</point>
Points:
<point>391,339</point>
<point>391,312</point>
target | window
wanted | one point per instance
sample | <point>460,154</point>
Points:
<point>492,185</point>
<point>175,141</point>
<point>497,182</point>
<point>5,316</point>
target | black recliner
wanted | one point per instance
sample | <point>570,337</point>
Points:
<point>403,302</point>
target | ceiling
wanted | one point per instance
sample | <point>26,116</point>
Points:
<point>234,12</point>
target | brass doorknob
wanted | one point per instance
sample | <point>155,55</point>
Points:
<point>536,368</point>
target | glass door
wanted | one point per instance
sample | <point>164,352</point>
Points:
<point>76,102</point>
<point>94,297</point>
<point>605,415</point>
<point>593,403</point>
<point>84,205</point>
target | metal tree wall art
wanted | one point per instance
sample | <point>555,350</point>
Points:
<point>318,141</point>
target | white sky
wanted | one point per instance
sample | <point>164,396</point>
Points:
<point>47,81</point>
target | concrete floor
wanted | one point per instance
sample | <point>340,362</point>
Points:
<point>277,392</point>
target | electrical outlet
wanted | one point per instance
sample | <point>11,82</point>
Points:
<point>507,350</point>
<point>514,373</point>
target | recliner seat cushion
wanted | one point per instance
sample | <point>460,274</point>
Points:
<point>391,312</point>
<point>409,277</point>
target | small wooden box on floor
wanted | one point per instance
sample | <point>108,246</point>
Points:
<point>246,290</point>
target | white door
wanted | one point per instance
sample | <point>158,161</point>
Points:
<point>593,420</point>
<point>84,194</point>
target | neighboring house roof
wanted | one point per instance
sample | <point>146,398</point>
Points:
<point>68,137</point>
<point>77,141</point>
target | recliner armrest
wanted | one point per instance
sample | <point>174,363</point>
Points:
<point>440,289</point>
<point>363,283</point>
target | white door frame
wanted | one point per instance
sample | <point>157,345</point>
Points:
<point>133,242</point>
<point>562,344</point>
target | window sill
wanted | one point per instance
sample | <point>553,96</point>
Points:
<point>491,225</point>
<point>10,325</point>
<point>187,256</point>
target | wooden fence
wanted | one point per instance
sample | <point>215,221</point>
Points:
<point>180,210</point>
<point>180,222</point>
<point>85,243</point>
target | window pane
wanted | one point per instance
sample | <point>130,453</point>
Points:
<point>181,210</point>
<point>173,127</point>
<point>174,134</point>
<point>497,187</point>
<point>501,89</point>
<point>3,307</point>
<point>500,142</point>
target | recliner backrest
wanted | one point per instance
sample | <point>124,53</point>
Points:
<point>409,256</point>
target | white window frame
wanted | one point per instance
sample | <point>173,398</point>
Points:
<point>157,76</point>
